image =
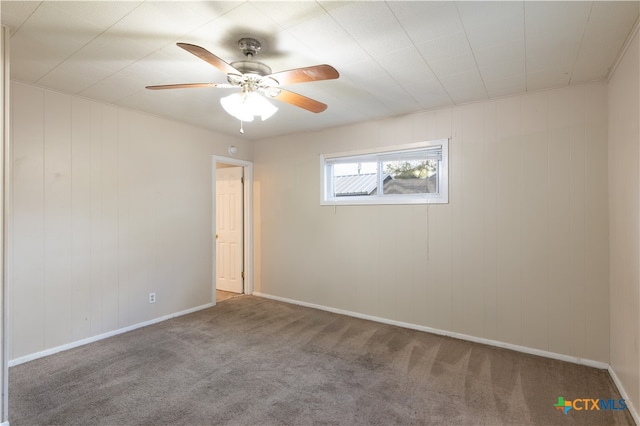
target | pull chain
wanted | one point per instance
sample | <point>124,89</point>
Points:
<point>241,128</point>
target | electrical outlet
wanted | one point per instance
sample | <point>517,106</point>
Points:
<point>152,297</point>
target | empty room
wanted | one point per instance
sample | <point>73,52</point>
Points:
<point>320,212</point>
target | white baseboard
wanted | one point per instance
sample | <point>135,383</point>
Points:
<point>630,406</point>
<point>92,339</point>
<point>524,349</point>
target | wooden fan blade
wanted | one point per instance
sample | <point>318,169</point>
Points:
<point>188,86</point>
<point>300,101</point>
<point>302,75</point>
<point>209,57</point>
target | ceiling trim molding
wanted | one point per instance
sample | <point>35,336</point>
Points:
<point>622,52</point>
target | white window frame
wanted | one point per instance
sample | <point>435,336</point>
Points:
<point>378,155</point>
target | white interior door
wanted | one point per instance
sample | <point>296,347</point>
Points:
<point>229,232</point>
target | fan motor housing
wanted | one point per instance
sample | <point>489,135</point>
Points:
<point>251,67</point>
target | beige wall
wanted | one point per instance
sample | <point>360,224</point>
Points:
<point>624,196</point>
<point>108,205</point>
<point>4,137</point>
<point>519,255</point>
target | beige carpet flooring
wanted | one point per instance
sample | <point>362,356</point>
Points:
<point>253,361</point>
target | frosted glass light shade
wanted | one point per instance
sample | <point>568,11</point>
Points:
<point>244,106</point>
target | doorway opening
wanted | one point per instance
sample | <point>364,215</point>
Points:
<point>232,188</point>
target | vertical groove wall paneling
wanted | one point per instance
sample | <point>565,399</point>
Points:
<point>105,294</point>
<point>104,197</point>
<point>559,232</point>
<point>457,203</point>
<point>27,283</point>
<point>624,225</point>
<point>505,256</point>
<point>596,223</point>
<point>535,267</point>
<point>94,216</point>
<point>82,134</point>
<point>509,238</point>
<point>473,215</point>
<point>490,170</point>
<point>577,224</point>
<point>57,219</point>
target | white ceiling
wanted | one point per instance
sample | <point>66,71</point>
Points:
<point>394,57</point>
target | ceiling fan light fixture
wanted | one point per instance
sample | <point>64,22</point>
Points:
<point>234,105</point>
<point>245,105</point>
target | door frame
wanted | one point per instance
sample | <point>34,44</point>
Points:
<point>247,220</point>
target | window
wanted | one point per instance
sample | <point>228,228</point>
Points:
<point>409,174</point>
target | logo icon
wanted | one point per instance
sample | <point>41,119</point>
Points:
<point>563,405</point>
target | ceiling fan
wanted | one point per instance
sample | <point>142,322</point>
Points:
<point>254,77</point>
